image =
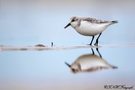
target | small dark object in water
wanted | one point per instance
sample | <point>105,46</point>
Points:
<point>51,44</point>
<point>40,45</point>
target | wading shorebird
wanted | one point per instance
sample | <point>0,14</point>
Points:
<point>90,63</point>
<point>89,26</point>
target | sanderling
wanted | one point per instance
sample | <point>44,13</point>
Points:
<point>90,63</point>
<point>89,26</point>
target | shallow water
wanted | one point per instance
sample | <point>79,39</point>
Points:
<point>25,24</point>
<point>46,69</point>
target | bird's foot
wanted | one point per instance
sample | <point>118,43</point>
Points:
<point>96,44</point>
<point>90,44</point>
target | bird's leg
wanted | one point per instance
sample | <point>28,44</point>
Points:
<point>92,40</point>
<point>99,52</point>
<point>97,39</point>
<point>92,51</point>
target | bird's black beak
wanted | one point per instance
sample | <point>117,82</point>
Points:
<point>67,25</point>
<point>67,64</point>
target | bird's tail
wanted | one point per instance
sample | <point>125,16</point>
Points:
<point>114,67</point>
<point>113,22</point>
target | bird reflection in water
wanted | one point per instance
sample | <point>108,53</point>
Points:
<point>90,63</point>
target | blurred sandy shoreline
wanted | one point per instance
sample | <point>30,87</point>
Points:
<point>40,47</point>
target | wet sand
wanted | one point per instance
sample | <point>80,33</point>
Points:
<point>43,47</point>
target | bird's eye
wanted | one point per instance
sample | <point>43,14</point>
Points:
<point>73,20</point>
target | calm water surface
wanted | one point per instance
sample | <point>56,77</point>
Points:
<point>31,22</point>
<point>33,70</point>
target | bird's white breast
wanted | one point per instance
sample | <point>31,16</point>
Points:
<point>90,29</point>
<point>90,61</point>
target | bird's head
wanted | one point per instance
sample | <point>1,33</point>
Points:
<point>73,22</point>
<point>75,68</point>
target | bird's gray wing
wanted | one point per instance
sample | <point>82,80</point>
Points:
<point>94,20</point>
